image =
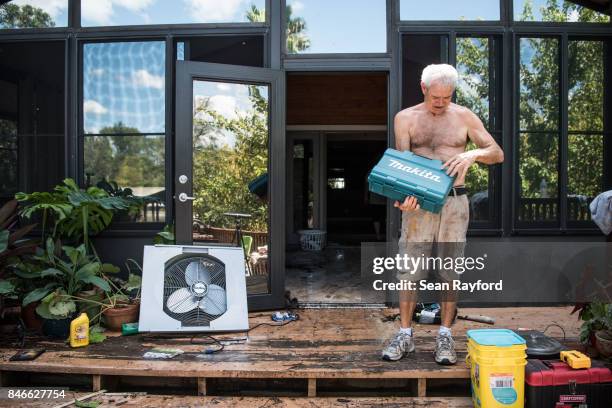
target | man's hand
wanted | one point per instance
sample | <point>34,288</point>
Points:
<point>409,204</point>
<point>460,164</point>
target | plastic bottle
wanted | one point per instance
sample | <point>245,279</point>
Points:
<point>79,331</point>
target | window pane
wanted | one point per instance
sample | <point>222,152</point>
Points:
<point>449,10</point>
<point>418,51</point>
<point>473,68</point>
<point>539,84</point>
<point>32,141</point>
<point>230,165</point>
<point>234,50</point>
<point>322,26</point>
<point>538,172</point>
<point>586,86</point>
<point>124,87</point>
<point>34,14</point>
<point>557,11</point>
<point>130,161</point>
<point>9,182</point>
<point>585,171</point>
<point>144,12</point>
<point>124,123</point>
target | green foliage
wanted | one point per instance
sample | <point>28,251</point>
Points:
<point>57,275</point>
<point>539,108</point>
<point>125,156</point>
<point>165,236</point>
<point>26,16</point>
<point>12,241</point>
<point>297,40</point>
<point>224,172</point>
<point>473,93</point>
<point>74,213</point>
<point>596,316</point>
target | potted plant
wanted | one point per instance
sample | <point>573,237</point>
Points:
<point>122,304</point>
<point>596,327</point>
<point>61,273</point>
<point>13,246</point>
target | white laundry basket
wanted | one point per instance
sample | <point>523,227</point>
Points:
<point>312,239</point>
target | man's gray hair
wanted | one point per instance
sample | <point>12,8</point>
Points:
<point>442,74</point>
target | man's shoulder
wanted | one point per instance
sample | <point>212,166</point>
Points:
<point>463,111</point>
<point>410,112</point>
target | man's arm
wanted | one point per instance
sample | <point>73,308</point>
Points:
<point>402,142</point>
<point>402,135</point>
<point>488,151</point>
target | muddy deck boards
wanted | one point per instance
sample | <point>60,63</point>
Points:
<point>322,345</point>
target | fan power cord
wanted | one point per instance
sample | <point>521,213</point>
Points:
<point>295,318</point>
<point>213,340</point>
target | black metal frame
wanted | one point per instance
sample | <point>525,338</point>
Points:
<point>505,30</point>
<point>186,73</point>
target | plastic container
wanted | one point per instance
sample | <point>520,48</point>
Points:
<point>497,362</point>
<point>548,382</point>
<point>79,331</point>
<point>399,174</point>
<point>312,240</point>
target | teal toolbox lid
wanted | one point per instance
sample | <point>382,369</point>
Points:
<point>495,337</point>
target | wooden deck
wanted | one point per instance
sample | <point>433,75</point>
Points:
<point>323,351</point>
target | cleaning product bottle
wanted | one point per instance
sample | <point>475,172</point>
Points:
<point>79,331</point>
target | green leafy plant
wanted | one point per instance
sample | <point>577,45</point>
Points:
<point>12,241</point>
<point>136,203</point>
<point>60,274</point>
<point>165,236</point>
<point>74,213</point>
<point>596,316</point>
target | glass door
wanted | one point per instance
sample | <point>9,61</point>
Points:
<point>229,159</point>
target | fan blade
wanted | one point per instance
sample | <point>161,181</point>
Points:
<point>196,272</point>
<point>215,302</point>
<point>181,301</point>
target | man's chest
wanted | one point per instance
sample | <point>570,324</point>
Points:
<point>434,134</point>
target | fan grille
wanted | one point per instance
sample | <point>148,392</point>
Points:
<point>174,279</point>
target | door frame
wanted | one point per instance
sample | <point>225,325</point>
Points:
<point>186,73</point>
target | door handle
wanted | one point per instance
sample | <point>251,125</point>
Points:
<point>183,197</point>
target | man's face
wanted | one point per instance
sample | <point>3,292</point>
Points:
<point>437,97</point>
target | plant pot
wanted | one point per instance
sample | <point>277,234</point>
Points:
<point>57,328</point>
<point>31,318</point>
<point>603,342</point>
<point>92,309</point>
<point>122,313</point>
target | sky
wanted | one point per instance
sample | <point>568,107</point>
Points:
<point>124,82</point>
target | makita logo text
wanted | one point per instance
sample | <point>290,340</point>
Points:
<point>415,170</point>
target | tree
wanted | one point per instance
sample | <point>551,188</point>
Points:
<point>539,107</point>
<point>222,171</point>
<point>473,93</point>
<point>26,16</point>
<point>123,156</point>
<point>295,28</point>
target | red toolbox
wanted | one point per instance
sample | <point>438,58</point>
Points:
<point>550,382</point>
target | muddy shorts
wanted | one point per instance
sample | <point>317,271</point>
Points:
<point>422,230</point>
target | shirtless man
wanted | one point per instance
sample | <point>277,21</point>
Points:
<point>437,129</point>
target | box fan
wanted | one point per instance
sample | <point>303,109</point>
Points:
<point>193,288</point>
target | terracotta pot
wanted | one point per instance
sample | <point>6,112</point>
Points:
<point>603,342</point>
<point>31,319</point>
<point>122,313</point>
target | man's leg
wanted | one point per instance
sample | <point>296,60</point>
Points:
<point>454,219</point>
<point>416,240</point>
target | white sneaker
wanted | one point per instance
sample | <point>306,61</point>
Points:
<point>445,350</point>
<point>401,345</point>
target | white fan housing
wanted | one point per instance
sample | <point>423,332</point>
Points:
<point>193,288</point>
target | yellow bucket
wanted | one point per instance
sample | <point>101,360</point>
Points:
<point>497,362</point>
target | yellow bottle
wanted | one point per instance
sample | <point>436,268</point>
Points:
<point>79,331</point>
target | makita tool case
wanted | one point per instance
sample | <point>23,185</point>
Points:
<point>399,174</point>
<point>548,382</point>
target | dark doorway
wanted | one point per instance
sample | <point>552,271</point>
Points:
<point>354,215</point>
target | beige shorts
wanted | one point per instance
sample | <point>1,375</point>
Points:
<point>422,229</point>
